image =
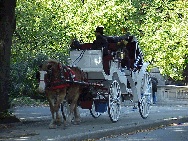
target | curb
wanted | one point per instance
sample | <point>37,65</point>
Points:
<point>26,121</point>
<point>35,119</point>
<point>120,130</point>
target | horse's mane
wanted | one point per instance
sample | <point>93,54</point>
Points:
<point>79,74</point>
<point>52,61</point>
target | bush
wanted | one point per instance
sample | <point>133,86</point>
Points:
<point>27,101</point>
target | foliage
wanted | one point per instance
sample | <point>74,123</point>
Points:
<point>165,38</point>
<point>45,28</point>
<point>27,101</point>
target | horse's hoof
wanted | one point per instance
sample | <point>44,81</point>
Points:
<point>66,124</point>
<point>52,126</point>
<point>58,122</point>
<point>76,123</point>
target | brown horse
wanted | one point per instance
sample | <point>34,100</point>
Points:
<point>52,81</point>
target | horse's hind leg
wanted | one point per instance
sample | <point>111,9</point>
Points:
<point>60,96</point>
<point>73,93</point>
<point>77,119</point>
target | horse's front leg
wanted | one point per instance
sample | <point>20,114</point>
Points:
<point>60,96</point>
<point>51,103</point>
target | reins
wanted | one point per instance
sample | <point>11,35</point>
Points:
<point>78,58</point>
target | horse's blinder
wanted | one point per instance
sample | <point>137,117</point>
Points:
<point>59,83</point>
<point>48,79</point>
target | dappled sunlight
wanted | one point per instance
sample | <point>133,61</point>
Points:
<point>36,113</point>
<point>23,139</point>
<point>179,130</point>
<point>50,139</point>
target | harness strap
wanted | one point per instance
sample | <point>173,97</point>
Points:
<point>62,84</point>
<point>73,76</point>
<point>59,86</point>
<point>67,69</point>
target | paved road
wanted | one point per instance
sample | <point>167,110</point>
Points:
<point>90,128</point>
<point>176,132</point>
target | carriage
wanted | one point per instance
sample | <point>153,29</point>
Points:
<point>108,82</point>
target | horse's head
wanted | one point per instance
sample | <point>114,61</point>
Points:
<point>48,73</point>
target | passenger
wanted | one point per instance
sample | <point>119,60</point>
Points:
<point>101,41</point>
<point>126,60</point>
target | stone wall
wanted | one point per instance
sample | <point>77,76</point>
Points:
<point>167,93</point>
<point>155,72</point>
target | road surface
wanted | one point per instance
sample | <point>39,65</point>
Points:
<point>89,128</point>
<point>174,132</point>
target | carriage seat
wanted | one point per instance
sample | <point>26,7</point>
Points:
<point>132,46</point>
<point>134,53</point>
<point>86,46</point>
<point>113,40</point>
<point>112,43</point>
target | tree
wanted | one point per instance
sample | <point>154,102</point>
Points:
<point>44,30</point>
<point>7,27</point>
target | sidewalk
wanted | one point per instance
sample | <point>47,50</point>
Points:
<point>31,114</point>
<point>35,121</point>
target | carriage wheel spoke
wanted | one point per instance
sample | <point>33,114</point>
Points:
<point>145,101</point>
<point>114,101</point>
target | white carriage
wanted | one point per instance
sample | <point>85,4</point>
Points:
<point>109,81</point>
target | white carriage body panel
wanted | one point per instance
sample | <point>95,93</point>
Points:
<point>91,62</point>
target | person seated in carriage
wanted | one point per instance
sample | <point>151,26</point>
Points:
<point>125,62</point>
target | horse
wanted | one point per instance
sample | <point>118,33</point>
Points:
<point>53,76</point>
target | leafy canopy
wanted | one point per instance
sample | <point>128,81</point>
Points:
<point>45,28</point>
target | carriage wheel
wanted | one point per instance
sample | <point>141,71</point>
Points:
<point>93,112</point>
<point>114,101</point>
<point>146,96</point>
<point>65,109</point>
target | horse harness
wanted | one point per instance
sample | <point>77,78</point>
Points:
<point>62,82</point>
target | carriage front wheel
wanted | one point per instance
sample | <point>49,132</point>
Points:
<point>114,101</point>
<point>146,96</point>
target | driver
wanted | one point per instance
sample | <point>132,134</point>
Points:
<point>101,41</point>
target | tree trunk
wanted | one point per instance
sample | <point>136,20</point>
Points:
<point>7,27</point>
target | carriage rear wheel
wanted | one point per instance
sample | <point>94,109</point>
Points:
<point>146,96</point>
<point>93,112</point>
<point>114,101</point>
